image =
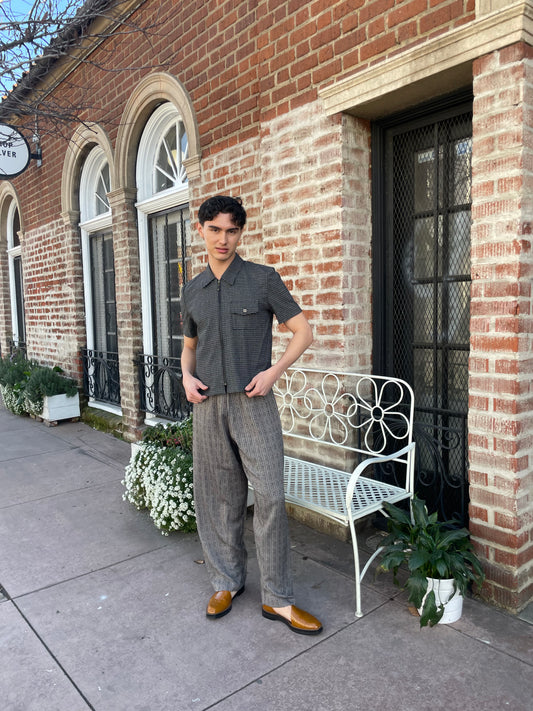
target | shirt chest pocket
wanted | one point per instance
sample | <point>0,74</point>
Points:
<point>245,314</point>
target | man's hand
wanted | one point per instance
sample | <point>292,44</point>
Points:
<point>261,384</point>
<point>192,387</point>
<point>302,337</point>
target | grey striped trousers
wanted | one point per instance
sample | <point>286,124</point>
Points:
<point>236,439</point>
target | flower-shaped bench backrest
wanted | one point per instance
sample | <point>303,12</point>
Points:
<point>362,413</point>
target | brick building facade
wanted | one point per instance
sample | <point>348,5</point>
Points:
<point>320,116</point>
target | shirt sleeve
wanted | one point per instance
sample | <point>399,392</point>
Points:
<point>188,325</point>
<point>280,299</point>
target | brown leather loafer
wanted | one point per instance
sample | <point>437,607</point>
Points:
<point>300,621</point>
<point>220,603</point>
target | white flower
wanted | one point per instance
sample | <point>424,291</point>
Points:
<point>159,479</point>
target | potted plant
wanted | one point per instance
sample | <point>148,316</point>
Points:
<point>159,477</point>
<point>51,395</point>
<point>31,389</point>
<point>439,557</point>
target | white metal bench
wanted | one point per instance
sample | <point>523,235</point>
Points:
<point>357,424</point>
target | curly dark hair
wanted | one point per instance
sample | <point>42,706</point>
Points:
<point>213,206</point>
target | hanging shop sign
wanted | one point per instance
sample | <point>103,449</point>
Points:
<point>14,152</point>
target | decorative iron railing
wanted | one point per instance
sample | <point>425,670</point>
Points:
<point>442,461</point>
<point>161,388</point>
<point>101,377</point>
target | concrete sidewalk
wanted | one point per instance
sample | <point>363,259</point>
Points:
<point>100,611</point>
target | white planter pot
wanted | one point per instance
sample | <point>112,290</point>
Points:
<point>453,602</point>
<point>136,447</point>
<point>60,407</point>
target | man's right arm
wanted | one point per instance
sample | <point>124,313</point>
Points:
<point>192,385</point>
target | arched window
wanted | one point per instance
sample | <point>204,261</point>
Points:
<point>94,186</point>
<point>101,354</point>
<point>16,283</point>
<point>164,247</point>
<point>162,150</point>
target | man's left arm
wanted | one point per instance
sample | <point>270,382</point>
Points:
<point>302,337</point>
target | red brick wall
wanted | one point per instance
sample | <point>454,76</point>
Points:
<point>53,296</point>
<point>501,400</point>
<point>242,63</point>
<point>253,70</point>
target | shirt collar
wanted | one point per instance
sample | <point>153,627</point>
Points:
<point>207,276</point>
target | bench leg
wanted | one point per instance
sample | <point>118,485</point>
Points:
<point>358,576</point>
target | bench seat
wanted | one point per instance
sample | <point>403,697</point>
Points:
<point>323,489</point>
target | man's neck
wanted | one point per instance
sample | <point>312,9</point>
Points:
<point>219,268</point>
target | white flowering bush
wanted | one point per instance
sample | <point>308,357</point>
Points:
<point>160,478</point>
<point>14,399</point>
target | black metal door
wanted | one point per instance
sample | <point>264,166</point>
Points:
<point>422,288</point>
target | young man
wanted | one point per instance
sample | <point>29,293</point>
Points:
<point>228,374</point>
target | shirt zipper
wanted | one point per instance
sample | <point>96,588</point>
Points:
<point>220,336</point>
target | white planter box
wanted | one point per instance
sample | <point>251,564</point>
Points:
<point>60,407</point>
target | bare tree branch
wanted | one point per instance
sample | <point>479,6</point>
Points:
<point>47,33</point>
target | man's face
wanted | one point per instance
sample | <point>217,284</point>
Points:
<point>221,236</point>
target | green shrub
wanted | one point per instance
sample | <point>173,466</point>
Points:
<point>14,374</point>
<point>49,381</point>
<point>15,370</point>
<point>171,434</point>
<point>24,383</point>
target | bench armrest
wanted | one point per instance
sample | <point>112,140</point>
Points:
<point>406,451</point>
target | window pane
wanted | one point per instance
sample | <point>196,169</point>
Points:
<point>104,299</point>
<point>19,296</point>
<point>424,179</point>
<point>169,239</point>
<point>16,229</point>
<point>102,188</point>
<point>424,248</point>
<point>459,248</point>
<point>169,170</point>
<point>462,174</point>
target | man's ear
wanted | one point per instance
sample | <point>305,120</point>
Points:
<point>200,229</point>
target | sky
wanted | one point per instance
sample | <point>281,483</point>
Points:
<point>14,61</point>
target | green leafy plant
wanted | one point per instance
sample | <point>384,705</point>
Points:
<point>15,371</point>
<point>159,477</point>
<point>172,434</point>
<point>44,381</point>
<point>24,383</point>
<point>429,548</point>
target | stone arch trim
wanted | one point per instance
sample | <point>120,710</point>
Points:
<point>85,137</point>
<point>152,91</point>
<point>8,195</point>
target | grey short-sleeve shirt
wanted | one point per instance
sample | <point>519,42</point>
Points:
<point>232,318</point>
